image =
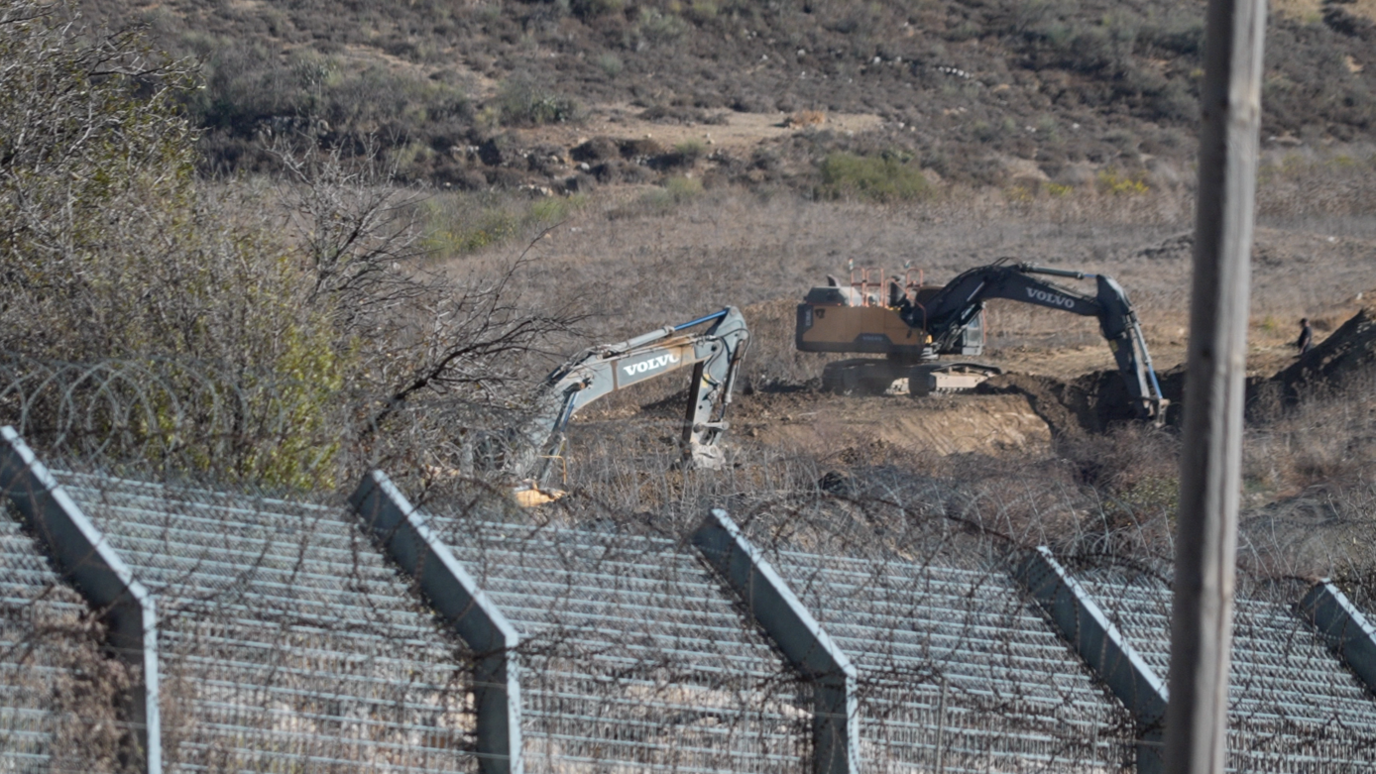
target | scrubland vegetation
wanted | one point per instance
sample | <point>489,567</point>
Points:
<point>276,245</point>
<point>304,242</point>
<point>963,87</point>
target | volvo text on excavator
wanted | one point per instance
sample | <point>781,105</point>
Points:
<point>913,324</point>
<point>531,454</point>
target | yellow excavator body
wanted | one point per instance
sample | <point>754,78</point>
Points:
<point>870,329</point>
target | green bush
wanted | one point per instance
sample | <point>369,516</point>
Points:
<point>883,178</point>
<point>676,190</point>
<point>1112,181</point>
<point>690,150</point>
<point>702,12</point>
<point>660,28</point>
<point>520,103</point>
<point>112,250</point>
<point>461,223</point>
<point>610,64</point>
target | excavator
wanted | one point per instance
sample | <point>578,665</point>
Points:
<point>528,454</point>
<point>913,324</point>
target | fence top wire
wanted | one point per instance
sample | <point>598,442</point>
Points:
<point>47,641</point>
<point>284,632</point>
<point>1286,686</point>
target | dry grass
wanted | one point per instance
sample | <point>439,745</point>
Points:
<point>1096,496</point>
<point>729,246</point>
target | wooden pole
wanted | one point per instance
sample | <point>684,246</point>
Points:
<point>1210,464</point>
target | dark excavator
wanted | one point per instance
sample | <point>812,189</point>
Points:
<point>914,324</point>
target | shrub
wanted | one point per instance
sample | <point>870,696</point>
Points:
<point>520,103</point>
<point>884,178</point>
<point>702,11</point>
<point>681,189</point>
<point>586,9</point>
<point>461,223</point>
<point>690,150</point>
<point>676,190</point>
<point>111,251</point>
<point>1117,183</point>
<point>660,28</point>
<point>610,64</point>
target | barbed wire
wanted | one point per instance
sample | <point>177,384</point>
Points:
<point>288,639</point>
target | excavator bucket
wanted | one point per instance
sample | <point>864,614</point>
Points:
<point>528,495</point>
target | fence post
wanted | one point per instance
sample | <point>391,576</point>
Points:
<point>401,533</point>
<point>808,648</point>
<point>1344,628</point>
<point>85,559</point>
<point>1102,646</point>
<point>1211,457</point>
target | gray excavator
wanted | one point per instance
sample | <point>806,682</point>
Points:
<point>914,324</point>
<point>531,454</point>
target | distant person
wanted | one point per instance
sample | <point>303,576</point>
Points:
<point>1306,340</point>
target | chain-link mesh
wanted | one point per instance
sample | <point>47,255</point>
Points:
<point>286,643</point>
<point>1293,706</point>
<point>57,687</point>
<point>634,658</point>
<point>958,671</point>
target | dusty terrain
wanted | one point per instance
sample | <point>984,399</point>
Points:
<point>639,269</point>
<point>740,133</point>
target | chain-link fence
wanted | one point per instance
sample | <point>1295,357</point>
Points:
<point>1293,706</point>
<point>290,639</point>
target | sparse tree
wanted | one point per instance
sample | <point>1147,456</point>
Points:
<point>292,319</point>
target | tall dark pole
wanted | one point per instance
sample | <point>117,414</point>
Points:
<point>1210,464</point>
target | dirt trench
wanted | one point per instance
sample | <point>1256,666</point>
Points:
<point>1014,413</point>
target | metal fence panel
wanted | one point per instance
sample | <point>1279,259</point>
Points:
<point>57,687</point>
<point>287,644</point>
<point>958,671</point>
<point>1293,707</point>
<point>634,657</point>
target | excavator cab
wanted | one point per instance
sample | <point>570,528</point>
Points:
<point>867,316</point>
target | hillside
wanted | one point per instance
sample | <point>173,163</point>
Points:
<point>984,92</point>
<point>739,153</point>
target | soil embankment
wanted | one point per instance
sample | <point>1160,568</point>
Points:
<point>1350,351</point>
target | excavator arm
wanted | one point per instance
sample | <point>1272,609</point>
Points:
<point>945,315</point>
<point>715,355</point>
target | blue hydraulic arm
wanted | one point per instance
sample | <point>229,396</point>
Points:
<point>945,315</point>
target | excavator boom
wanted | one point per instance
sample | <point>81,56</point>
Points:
<point>715,355</point>
<point>945,315</point>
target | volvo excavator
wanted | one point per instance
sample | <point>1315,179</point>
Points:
<point>531,455</point>
<point>914,324</point>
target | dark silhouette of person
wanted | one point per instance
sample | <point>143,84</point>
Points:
<point>1306,340</point>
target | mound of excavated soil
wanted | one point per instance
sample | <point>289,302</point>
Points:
<point>1348,351</point>
<point>832,424</point>
<point>1089,403</point>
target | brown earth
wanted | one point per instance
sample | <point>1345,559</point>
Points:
<point>1350,351</point>
<point>1019,411</point>
<point>736,132</point>
<point>831,424</point>
<point>1044,393</point>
